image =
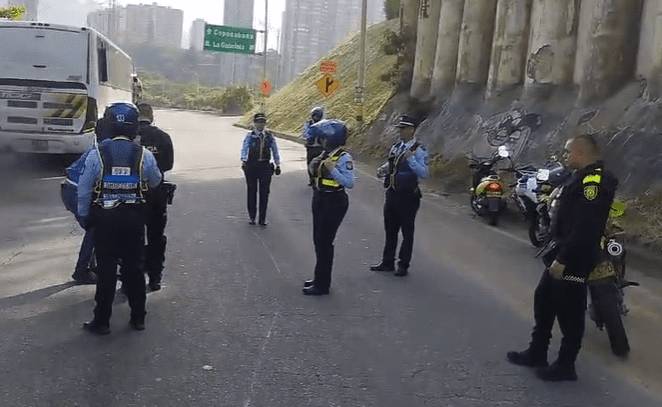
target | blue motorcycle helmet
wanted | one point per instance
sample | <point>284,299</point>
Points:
<point>123,119</point>
<point>332,133</point>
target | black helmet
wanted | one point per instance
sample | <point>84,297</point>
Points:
<point>122,119</point>
<point>317,113</point>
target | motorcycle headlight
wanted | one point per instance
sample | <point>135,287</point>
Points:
<point>542,175</point>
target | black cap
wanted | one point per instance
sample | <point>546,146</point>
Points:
<point>260,117</point>
<point>406,121</point>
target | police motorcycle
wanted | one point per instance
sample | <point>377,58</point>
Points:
<point>531,193</point>
<point>606,283</point>
<point>487,193</point>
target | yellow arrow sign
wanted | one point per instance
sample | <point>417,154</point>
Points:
<point>327,85</point>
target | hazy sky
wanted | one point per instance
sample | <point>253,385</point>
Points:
<point>212,12</point>
<point>74,12</point>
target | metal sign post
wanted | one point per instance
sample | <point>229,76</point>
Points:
<point>361,86</point>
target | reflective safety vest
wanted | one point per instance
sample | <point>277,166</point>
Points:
<point>328,183</point>
<point>259,149</point>
<point>401,176</point>
<point>121,174</point>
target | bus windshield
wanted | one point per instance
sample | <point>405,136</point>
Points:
<point>43,54</point>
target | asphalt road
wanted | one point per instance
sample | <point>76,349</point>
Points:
<point>231,328</point>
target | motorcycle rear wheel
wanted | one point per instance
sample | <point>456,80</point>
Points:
<point>605,304</point>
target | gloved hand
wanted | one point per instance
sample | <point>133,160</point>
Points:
<point>382,171</point>
<point>243,165</point>
<point>277,170</point>
<point>556,270</point>
<point>328,167</point>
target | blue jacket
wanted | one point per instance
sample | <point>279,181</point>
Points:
<point>92,174</point>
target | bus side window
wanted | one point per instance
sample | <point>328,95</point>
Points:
<point>103,61</point>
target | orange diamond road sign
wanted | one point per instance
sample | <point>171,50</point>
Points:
<point>327,85</point>
<point>328,66</point>
<point>266,87</point>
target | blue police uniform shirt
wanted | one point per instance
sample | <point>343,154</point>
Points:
<point>250,137</point>
<point>418,162</point>
<point>344,171</point>
<point>92,174</point>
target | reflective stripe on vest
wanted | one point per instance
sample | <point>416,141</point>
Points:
<point>328,182</point>
<point>593,178</point>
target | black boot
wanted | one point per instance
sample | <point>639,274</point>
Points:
<point>314,290</point>
<point>308,283</point>
<point>557,371</point>
<point>96,328</point>
<point>383,266</point>
<point>402,271</point>
<point>528,358</point>
<point>137,322</point>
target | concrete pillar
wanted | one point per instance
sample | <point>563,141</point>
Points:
<point>510,44</point>
<point>448,43</point>
<point>553,42</point>
<point>476,41</point>
<point>649,60</point>
<point>408,30</point>
<point>608,60</point>
<point>426,45</point>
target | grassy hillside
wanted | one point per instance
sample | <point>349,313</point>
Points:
<point>289,107</point>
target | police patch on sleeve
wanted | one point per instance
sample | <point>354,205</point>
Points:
<point>590,192</point>
<point>350,165</point>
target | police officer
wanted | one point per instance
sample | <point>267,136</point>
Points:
<point>159,144</point>
<point>579,216</point>
<point>259,145</point>
<point>313,144</point>
<point>111,199</point>
<point>84,272</point>
<point>332,172</point>
<point>407,162</point>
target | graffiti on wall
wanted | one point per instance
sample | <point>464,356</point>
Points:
<point>511,129</point>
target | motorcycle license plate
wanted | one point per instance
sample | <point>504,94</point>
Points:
<point>491,194</point>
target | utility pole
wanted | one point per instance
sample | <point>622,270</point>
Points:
<point>266,36</point>
<point>360,88</point>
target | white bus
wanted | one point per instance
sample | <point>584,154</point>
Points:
<point>55,81</point>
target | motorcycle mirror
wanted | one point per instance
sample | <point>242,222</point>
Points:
<point>503,152</point>
<point>617,209</point>
<point>542,175</point>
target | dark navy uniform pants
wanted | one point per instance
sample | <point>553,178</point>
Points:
<point>119,236</point>
<point>86,260</point>
<point>566,302</point>
<point>258,176</point>
<point>156,220</point>
<point>329,209</point>
<point>400,208</point>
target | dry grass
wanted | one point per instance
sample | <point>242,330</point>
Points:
<point>642,221</point>
<point>290,106</point>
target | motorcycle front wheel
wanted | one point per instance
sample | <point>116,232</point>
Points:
<point>536,235</point>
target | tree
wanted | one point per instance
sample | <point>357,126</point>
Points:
<point>392,9</point>
<point>12,12</point>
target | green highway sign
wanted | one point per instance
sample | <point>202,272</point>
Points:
<point>223,38</point>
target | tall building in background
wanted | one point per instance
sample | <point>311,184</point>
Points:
<point>237,68</point>
<point>31,7</point>
<point>197,34</point>
<point>139,23</point>
<point>311,28</point>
